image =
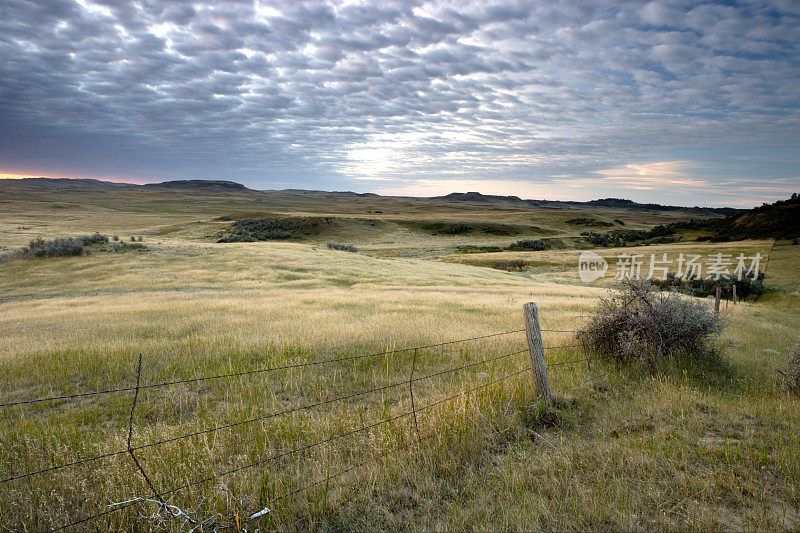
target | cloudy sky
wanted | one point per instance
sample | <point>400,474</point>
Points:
<point>681,102</point>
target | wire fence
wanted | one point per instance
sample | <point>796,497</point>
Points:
<point>554,353</point>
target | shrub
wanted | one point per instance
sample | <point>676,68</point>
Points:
<point>68,247</point>
<point>235,237</point>
<point>455,229</point>
<point>56,248</point>
<point>273,228</point>
<point>529,244</point>
<point>94,238</point>
<point>747,286</point>
<point>642,324</point>
<point>624,237</point>
<point>494,229</point>
<point>588,221</point>
<point>791,376</point>
<point>343,247</point>
<point>38,247</point>
<point>242,235</point>
<point>115,237</point>
<point>512,265</point>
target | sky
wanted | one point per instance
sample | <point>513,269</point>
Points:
<point>676,102</point>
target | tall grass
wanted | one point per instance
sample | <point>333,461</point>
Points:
<point>676,449</point>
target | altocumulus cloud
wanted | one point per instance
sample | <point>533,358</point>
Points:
<point>686,101</point>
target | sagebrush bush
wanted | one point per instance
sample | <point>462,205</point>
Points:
<point>640,323</point>
<point>60,247</point>
<point>66,247</point>
<point>747,286</point>
<point>343,247</point>
<point>273,228</point>
<point>94,238</point>
<point>512,265</point>
<point>496,229</point>
<point>588,221</point>
<point>627,237</point>
<point>529,244</point>
<point>455,229</point>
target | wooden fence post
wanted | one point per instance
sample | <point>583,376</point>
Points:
<point>534,335</point>
<point>735,300</point>
<point>716,301</point>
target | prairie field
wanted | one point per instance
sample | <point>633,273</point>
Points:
<point>321,344</point>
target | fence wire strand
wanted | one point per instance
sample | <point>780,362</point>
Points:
<point>298,450</point>
<point>413,378</point>
<point>571,361</point>
<point>250,372</point>
<point>408,444</point>
<point>249,421</point>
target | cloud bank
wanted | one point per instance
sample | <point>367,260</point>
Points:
<point>679,101</point>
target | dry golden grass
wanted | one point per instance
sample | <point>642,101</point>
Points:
<point>562,263</point>
<point>687,447</point>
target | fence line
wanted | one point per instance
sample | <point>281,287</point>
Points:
<point>412,379</point>
<point>249,372</point>
<point>257,419</point>
<point>298,450</point>
<point>429,435</point>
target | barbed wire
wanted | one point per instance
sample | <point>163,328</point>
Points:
<point>408,444</point>
<point>206,431</point>
<point>304,448</point>
<point>251,420</point>
<point>572,361</point>
<point>250,372</point>
<point>563,346</point>
<point>413,378</point>
<point>256,419</point>
<point>336,437</point>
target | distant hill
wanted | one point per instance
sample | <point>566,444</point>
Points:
<point>621,203</point>
<point>72,184</point>
<point>612,203</point>
<point>205,185</point>
<point>473,197</point>
<point>780,220</point>
<point>477,197</point>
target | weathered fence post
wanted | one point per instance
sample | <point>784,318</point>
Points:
<point>534,335</point>
<point>716,301</point>
<point>735,300</point>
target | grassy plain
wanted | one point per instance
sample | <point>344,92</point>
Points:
<point>686,447</point>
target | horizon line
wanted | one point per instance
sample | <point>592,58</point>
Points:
<point>19,177</point>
